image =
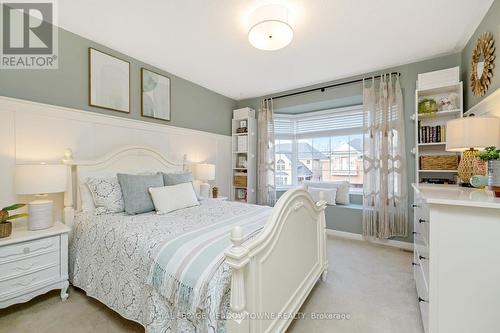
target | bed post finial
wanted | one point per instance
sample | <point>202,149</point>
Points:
<point>237,259</point>
<point>69,210</point>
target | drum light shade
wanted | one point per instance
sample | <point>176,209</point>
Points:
<point>472,132</point>
<point>40,178</point>
<point>205,171</point>
<point>270,28</point>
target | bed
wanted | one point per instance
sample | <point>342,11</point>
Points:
<point>259,285</point>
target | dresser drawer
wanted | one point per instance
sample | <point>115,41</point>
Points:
<point>422,294</point>
<point>23,250</point>
<point>9,285</point>
<point>28,264</point>
<point>421,220</point>
<point>422,257</point>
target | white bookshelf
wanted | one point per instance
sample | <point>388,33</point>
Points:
<point>437,119</point>
<point>248,150</point>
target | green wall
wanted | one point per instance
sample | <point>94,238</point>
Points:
<point>192,106</point>
<point>491,23</point>
<point>352,94</point>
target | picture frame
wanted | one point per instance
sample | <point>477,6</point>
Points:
<point>155,95</point>
<point>109,81</point>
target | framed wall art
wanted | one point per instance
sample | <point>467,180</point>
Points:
<point>155,95</point>
<point>109,81</point>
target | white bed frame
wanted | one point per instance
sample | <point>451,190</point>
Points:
<point>272,274</point>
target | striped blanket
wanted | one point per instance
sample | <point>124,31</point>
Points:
<point>184,265</point>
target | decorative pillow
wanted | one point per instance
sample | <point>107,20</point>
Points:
<point>107,194</point>
<point>330,194</point>
<point>135,191</point>
<point>342,187</point>
<point>86,199</point>
<point>166,199</point>
<point>175,178</point>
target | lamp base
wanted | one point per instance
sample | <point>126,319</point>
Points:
<point>40,214</point>
<point>466,165</point>
<point>205,190</point>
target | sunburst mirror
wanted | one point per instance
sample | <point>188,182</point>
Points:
<point>482,64</point>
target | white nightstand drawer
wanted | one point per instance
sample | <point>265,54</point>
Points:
<point>24,282</point>
<point>29,264</point>
<point>22,250</point>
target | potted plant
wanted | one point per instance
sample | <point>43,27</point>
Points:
<point>492,156</point>
<point>5,219</point>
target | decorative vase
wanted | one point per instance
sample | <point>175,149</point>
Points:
<point>215,192</point>
<point>5,229</point>
<point>494,177</point>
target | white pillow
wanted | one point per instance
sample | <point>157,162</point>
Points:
<point>330,194</point>
<point>166,199</point>
<point>86,199</point>
<point>107,194</point>
<point>342,187</point>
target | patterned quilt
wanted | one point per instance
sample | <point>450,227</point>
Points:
<point>111,256</point>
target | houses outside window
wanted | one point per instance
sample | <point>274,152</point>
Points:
<point>319,146</point>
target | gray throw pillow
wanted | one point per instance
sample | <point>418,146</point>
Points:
<point>135,189</point>
<point>176,178</point>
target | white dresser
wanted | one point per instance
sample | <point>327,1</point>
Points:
<point>457,258</point>
<point>32,263</point>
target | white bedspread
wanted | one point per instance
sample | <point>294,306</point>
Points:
<point>111,255</point>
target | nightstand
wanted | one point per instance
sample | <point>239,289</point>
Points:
<point>33,263</point>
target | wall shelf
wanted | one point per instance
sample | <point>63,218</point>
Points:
<point>432,121</point>
<point>247,149</point>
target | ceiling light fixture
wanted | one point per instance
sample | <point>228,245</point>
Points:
<point>269,28</point>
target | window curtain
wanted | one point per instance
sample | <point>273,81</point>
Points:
<point>385,199</point>
<point>266,190</point>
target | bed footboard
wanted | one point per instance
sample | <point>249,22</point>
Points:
<point>274,273</point>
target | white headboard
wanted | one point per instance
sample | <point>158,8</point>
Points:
<point>126,160</point>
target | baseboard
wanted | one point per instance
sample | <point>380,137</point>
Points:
<point>388,242</point>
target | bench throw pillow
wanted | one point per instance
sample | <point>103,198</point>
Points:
<point>341,186</point>
<point>330,194</point>
<point>135,189</point>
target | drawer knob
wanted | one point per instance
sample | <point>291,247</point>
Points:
<point>420,299</point>
<point>421,221</point>
<point>26,250</point>
<point>422,258</point>
<point>414,232</point>
<point>414,264</point>
<point>414,206</point>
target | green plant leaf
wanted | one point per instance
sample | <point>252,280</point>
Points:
<point>16,216</point>
<point>14,206</point>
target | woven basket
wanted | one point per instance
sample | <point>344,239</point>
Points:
<point>240,181</point>
<point>5,229</point>
<point>439,162</point>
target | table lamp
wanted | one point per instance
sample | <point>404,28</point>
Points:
<point>205,172</point>
<point>40,180</point>
<point>469,135</point>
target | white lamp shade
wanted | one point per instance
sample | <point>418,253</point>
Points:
<point>472,132</point>
<point>269,28</point>
<point>205,171</point>
<point>41,178</point>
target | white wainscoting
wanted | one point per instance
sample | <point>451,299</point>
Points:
<point>36,132</point>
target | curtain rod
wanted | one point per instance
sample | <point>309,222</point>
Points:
<point>322,89</point>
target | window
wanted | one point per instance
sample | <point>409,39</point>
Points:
<point>320,146</point>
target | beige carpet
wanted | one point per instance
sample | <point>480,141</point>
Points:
<point>371,285</point>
